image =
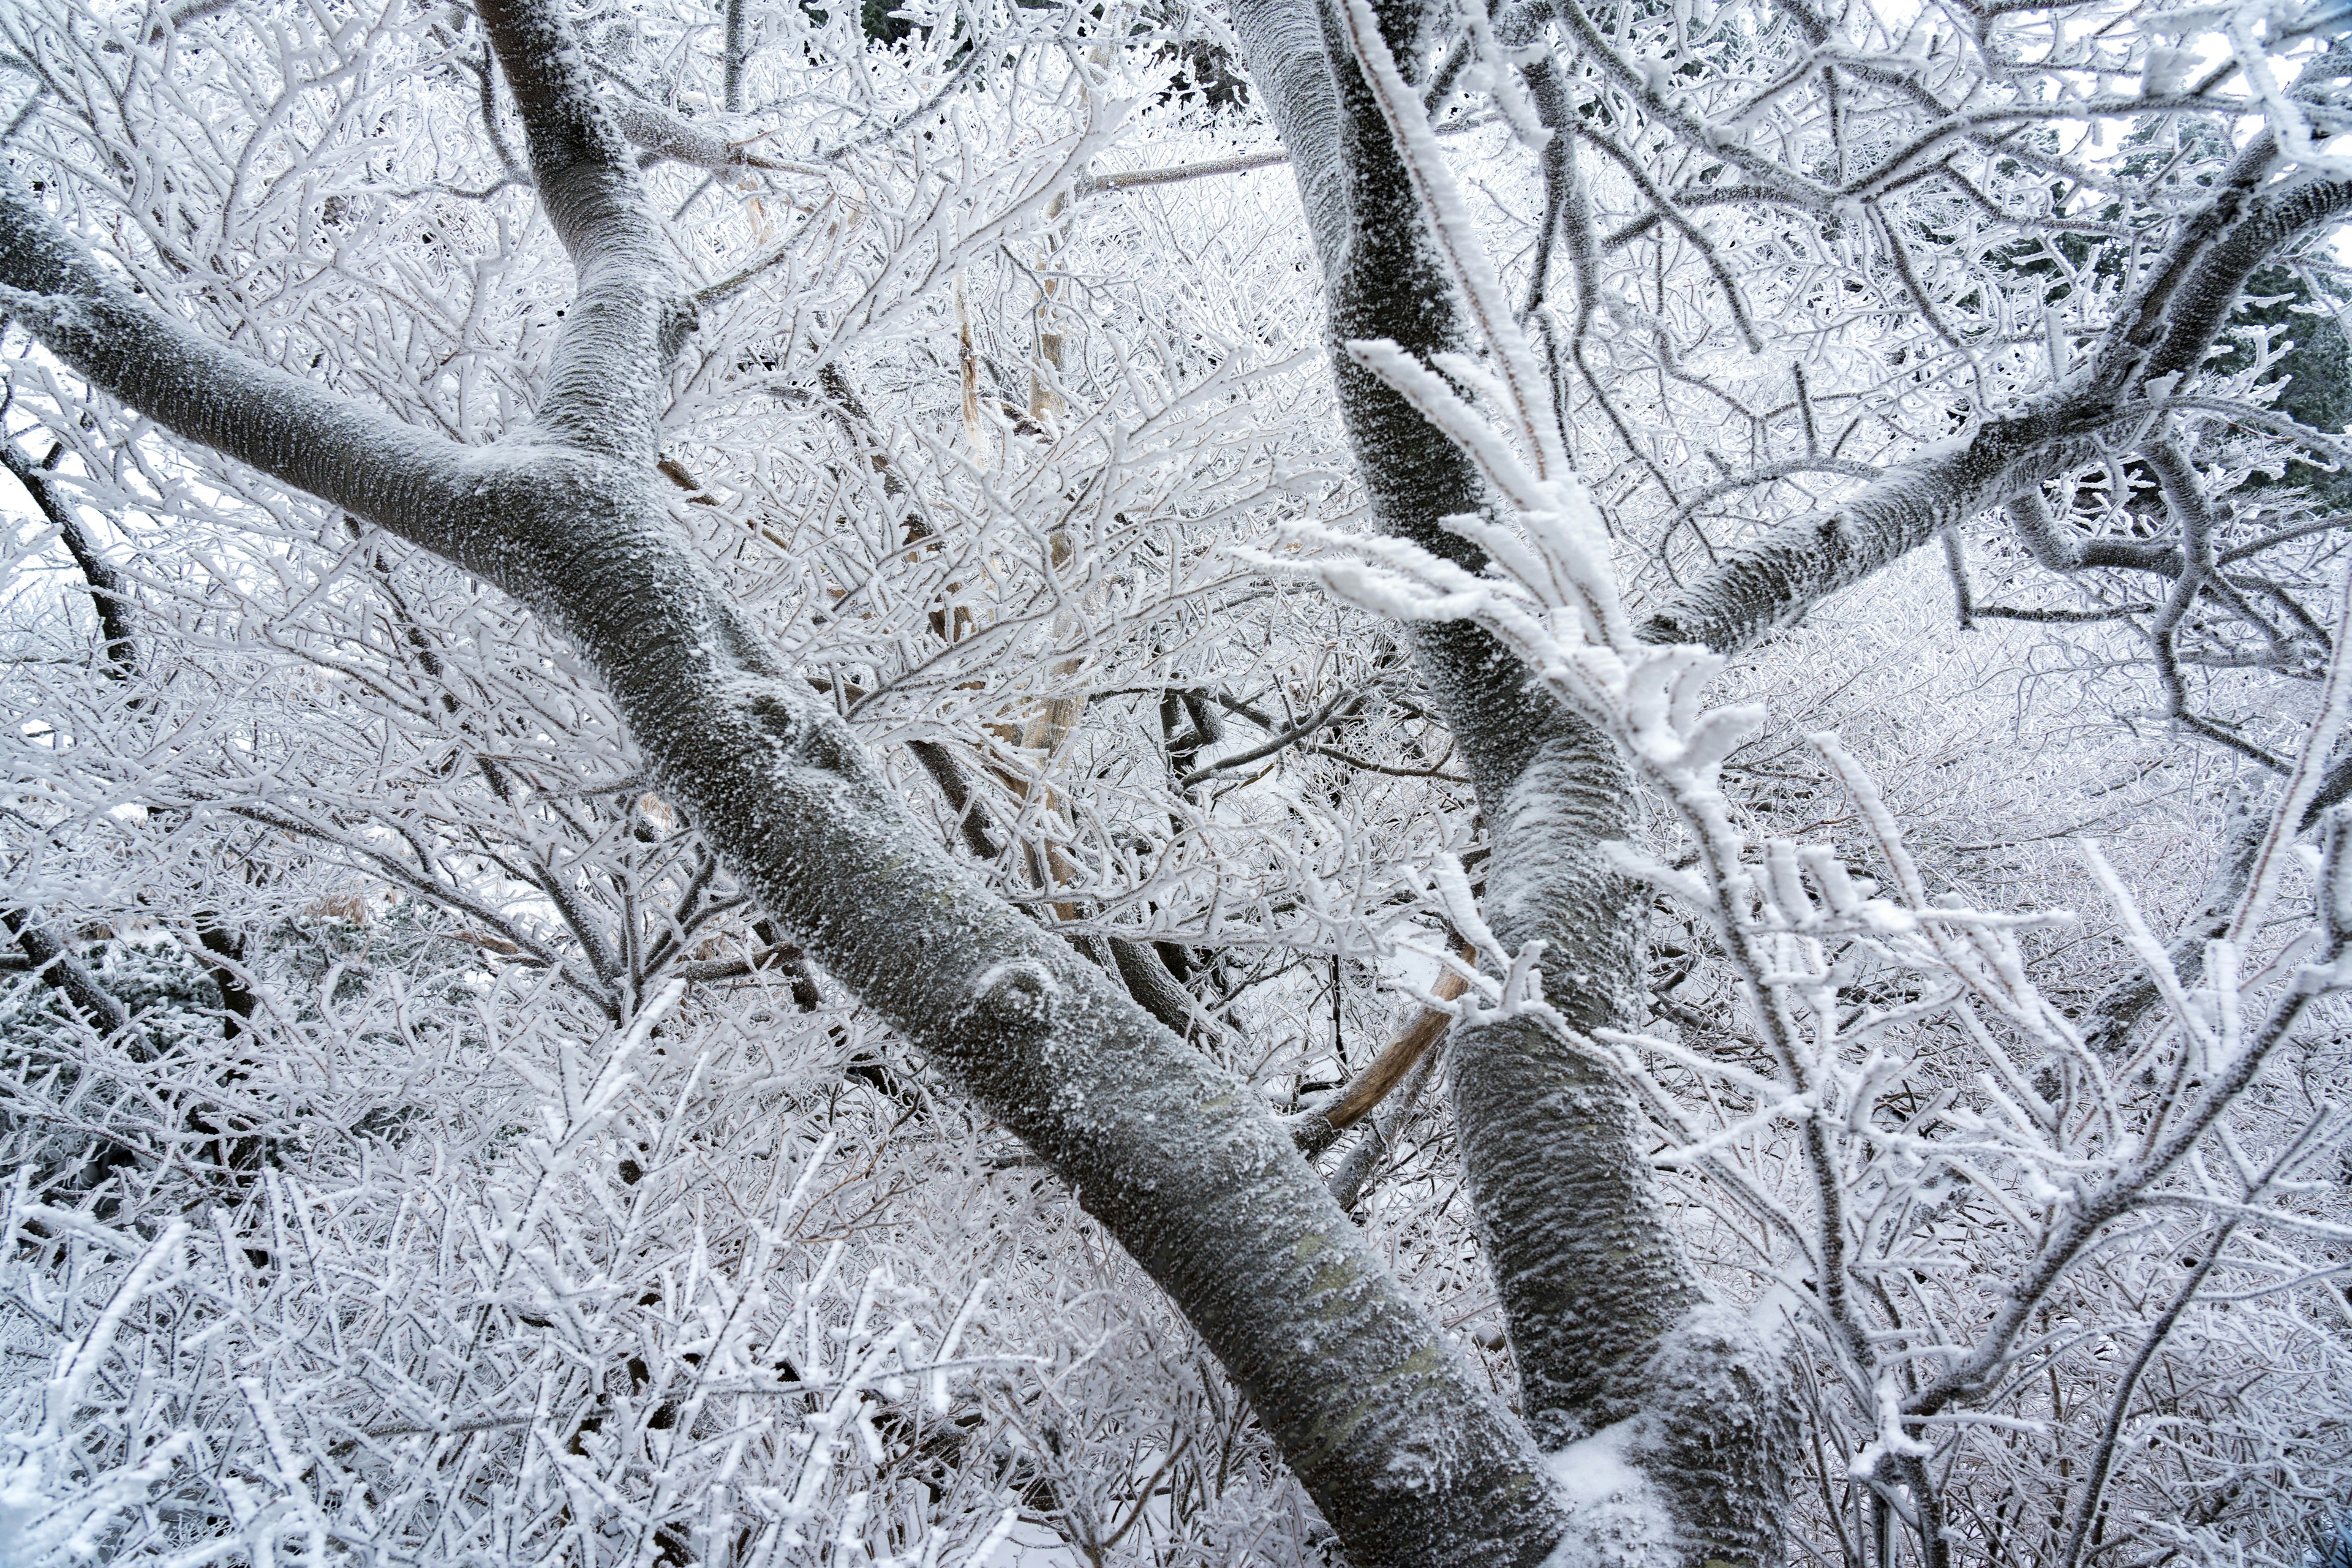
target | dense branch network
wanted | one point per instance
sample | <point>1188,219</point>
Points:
<point>860,695</point>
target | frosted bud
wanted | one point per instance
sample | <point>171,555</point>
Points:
<point>1021,992</point>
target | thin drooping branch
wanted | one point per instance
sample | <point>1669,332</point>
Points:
<point>1340,707</point>
<point>2162,1147</point>
<point>2087,1511</point>
<point>1568,212</point>
<point>108,594</point>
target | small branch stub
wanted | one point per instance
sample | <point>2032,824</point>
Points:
<point>1015,994</point>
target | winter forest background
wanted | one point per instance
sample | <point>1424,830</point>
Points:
<point>1180,782</point>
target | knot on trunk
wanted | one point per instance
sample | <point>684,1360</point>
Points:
<point>1014,994</point>
<point>681,321</point>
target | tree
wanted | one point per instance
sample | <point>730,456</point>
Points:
<point>854,660</point>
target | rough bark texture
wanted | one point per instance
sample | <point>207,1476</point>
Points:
<point>1407,1454</point>
<point>1601,1304</point>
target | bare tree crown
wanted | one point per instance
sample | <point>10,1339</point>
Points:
<point>1135,783</point>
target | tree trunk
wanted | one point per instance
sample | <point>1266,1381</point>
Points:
<point>1608,1322</point>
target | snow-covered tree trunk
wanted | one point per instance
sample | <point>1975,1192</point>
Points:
<point>1409,1458</point>
<point>1610,1327</point>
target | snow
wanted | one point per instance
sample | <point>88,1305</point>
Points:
<point>608,1148</point>
<point>1617,1518</point>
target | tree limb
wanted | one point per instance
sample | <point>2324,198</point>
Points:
<point>1398,1442</point>
<point>1317,1130</point>
<point>106,594</point>
<point>54,962</point>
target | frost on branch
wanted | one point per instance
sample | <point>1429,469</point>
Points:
<point>359,885</point>
<point>1895,1067</point>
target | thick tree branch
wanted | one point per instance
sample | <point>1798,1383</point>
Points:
<point>2165,333</point>
<point>604,383</point>
<point>1356,1167</point>
<point>1403,1449</point>
<point>350,456</point>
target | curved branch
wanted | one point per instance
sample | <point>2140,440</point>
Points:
<point>2164,333</point>
<point>1317,1130</point>
<point>2057,550</point>
<point>107,593</point>
<point>1338,707</point>
<point>607,378</point>
<point>1594,1286</point>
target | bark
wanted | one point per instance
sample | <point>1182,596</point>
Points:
<point>946,772</point>
<point>1775,581</point>
<point>1147,981</point>
<point>1607,1320</point>
<point>1407,1454</point>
